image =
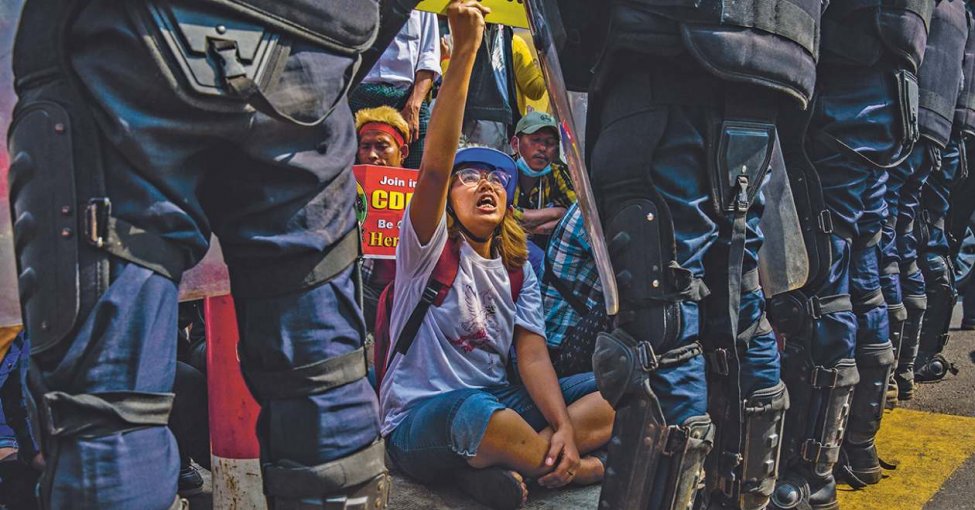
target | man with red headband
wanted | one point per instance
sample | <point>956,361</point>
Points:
<point>383,135</point>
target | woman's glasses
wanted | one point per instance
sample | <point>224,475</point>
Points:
<point>471,176</point>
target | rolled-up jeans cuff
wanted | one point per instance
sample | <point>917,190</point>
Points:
<point>469,422</point>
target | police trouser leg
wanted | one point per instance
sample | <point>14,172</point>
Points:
<point>314,397</point>
<point>746,396</point>
<point>854,134</point>
<point>650,367</point>
<point>102,306</point>
<point>746,482</point>
<point>934,259</point>
<point>819,371</point>
<point>890,266</point>
<point>874,356</point>
<point>926,158</point>
<point>109,396</point>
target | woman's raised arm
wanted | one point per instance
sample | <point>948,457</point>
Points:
<point>427,207</point>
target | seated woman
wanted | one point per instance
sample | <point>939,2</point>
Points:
<point>450,415</point>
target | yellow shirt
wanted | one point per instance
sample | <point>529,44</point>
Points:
<point>529,82</point>
<point>528,77</point>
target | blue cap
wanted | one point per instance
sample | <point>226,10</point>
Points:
<point>496,159</point>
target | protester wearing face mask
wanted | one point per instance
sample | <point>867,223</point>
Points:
<point>544,190</point>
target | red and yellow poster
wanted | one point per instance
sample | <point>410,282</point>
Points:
<point>383,193</point>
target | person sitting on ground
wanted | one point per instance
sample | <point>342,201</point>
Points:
<point>382,133</point>
<point>450,414</point>
<point>572,296</point>
<point>544,190</point>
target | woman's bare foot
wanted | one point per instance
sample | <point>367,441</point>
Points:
<point>524,486</point>
<point>591,470</point>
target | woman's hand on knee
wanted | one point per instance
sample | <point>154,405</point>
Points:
<point>563,456</point>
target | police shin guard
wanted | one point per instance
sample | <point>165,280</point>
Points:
<point>930,365</point>
<point>358,481</point>
<point>814,429</point>
<point>904,373</point>
<point>859,464</point>
<point>896,317</point>
<point>652,465</point>
<point>750,487</point>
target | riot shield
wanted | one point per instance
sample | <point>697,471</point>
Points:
<point>552,71</point>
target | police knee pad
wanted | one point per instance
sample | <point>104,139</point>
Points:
<point>357,481</point>
<point>794,313</point>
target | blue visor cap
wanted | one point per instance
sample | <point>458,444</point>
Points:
<point>494,158</point>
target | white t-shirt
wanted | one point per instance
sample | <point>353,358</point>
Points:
<point>464,342</point>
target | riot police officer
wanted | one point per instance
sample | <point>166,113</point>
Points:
<point>933,249</point>
<point>939,82</point>
<point>862,122</point>
<point>142,127</point>
<point>682,138</point>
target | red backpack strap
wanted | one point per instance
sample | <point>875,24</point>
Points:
<point>517,280</point>
<point>441,279</point>
<point>445,272</point>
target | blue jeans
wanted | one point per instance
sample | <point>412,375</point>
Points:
<point>442,432</point>
<point>278,195</point>
<point>15,430</point>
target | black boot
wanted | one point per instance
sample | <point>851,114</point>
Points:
<point>859,464</point>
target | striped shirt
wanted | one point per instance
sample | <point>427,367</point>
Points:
<point>569,258</point>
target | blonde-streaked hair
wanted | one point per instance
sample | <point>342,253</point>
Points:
<point>385,115</point>
<point>508,241</point>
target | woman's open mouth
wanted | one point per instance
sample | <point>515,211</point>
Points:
<point>487,203</point>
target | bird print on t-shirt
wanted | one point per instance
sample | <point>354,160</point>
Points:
<point>481,317</point>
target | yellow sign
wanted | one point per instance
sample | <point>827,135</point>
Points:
<point>503,12</point>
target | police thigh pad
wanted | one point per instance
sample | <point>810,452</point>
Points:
<point>64,229</point>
